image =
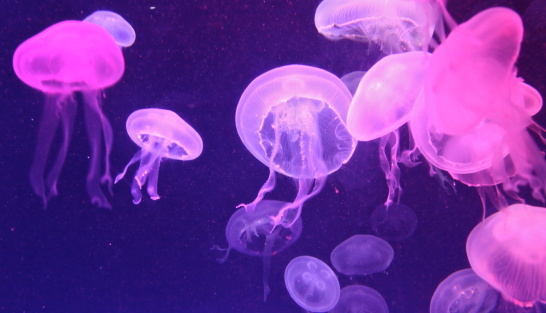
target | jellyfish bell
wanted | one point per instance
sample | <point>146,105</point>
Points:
<point>117,26</point>
<point>161,134</point>
<point>69,57</point>
<point>362,255</point>
<point>352,80</point>
<point>359,298</point>
<point>508,251</point>
<point>396,222</point>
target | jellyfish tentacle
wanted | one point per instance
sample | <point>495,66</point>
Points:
<point>389,165</point>
<point>268,251</point>
<point>153,177</point>
<point>135,159</point>
<point>108,137</point>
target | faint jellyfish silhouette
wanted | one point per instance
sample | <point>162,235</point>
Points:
<point>69,57</point>
<point>312,284</point>
<point>395,25</point>
<point>292,119</point>
<point>395,223</point>
<point>360,299</point>
<point>253,233</point>
<point>463,291</point>
<point>161,134</point>
<point>362,255</point>
<point>352,80</point>
<point>508,250</point>
<point>117,26</point>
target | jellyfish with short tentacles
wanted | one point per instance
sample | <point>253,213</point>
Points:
<point>508,250</point>
<point>292,119</point>
<point>117,26</point>
<point>70,57</point>
<point>253,233</point>
<point>161,134</point>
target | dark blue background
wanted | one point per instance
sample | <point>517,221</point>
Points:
<point>196,58</point>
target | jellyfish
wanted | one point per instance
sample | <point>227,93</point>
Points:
<point>292,119</point>
<point>464,291</point>
<point>161,134</point>
<point>312,284</point>
<point>66,58</point>
<point>117,26</point>
<point>362,255</point>
<point>360,299</point>
<point>395,25</point>
<point>352,79</point>
<point>508,251</point>
<point>396,223</point>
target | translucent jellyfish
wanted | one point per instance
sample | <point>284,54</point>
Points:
<point>464,291</point>
<point>312,284</point>
<point>69,57</point>
<point>292,119</point>
<point>360,299</point>
<point>161,134</point>
<point>508,250</point>
<point>117,26</point>
<point>352,80</point>
<point>253,233</point>
<point>396,223</point>
<point>362,255</point>
<point>395,25</point>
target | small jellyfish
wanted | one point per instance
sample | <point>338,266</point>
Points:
<point>253,233</point>
<point>292,119</point>
<point>117,26</point>
<point>396,223</point>
<point>161,134</point>
<point>352,80</point>
<point>312,284</point>
<point>362,255</point>
<point>464,291</point>
<point>395,25</point>
<point>360,299</point>
<point>508,250</point>
<point>69,57</point>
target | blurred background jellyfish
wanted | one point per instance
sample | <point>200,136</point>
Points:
<point>117,26</point>
<point>464,291</point>
<point>253,233</point>
<point>161,134</point>
<point>472,119</point>
<point>292,119</point>
<point>69,57</point>
<point>396,223</point>
<point>312,284</point>
<point>352,80</point>
<point>508,250</point>
<point>395,25</point>
<point>362,255</point>
<point>360,299</point>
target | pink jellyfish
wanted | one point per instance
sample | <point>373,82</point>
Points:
<point>69,57</point>
<point>508,251</point>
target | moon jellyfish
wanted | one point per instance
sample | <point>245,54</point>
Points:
<point>161,134</point>
<point>352,80</point>
<point>65,58</point>
<point>464,291</point>
<point>395,25</point>
<point>253,233</point>
<point>292,119</point>
<point>396,223</point>
<point>117,26</point>
<point>362,255</point>
<point>360,299</point>
<point>508,250</point>
<point>312,284</point>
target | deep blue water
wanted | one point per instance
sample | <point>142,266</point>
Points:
<point>196,58</point>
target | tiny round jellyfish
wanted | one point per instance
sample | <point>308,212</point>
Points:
<point>161,134</point>
<point>396,223</point>
<point>360,299</point>
<point>312,284</point>
<point>117,26</point>
<point>362,255</point>
<point>508,250</point>
<point>463,291</point>
<point>65,58</point>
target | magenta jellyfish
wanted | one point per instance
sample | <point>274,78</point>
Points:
<point>360,299</point>
<point>508,250</point>
<point>312,284</point>
<point>362,255</point>
<point>161,134</point>
<point>253,233</point>
<point>292,119</point>
<point>117,26</point>
<point>69,57</point>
